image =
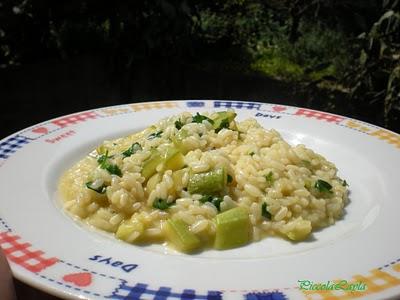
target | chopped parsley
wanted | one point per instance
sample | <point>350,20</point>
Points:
<point>178,124</point>
<point>264,211</point>
<point>99,189</point>
<point>198,118</point>
<point>252,153</point>
<point>215,200</point>
<point>155,135</point>
<point>344,183</point>
<point>224,124</point>
<point>161,204</point>
<point>323,186</point>
<point>270,177</point>
<point>229,178</point>
<point>103,159</point>
<point>113,169</point>
<point>105,164</point>
<point>132,150</point>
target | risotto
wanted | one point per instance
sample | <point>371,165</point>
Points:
<point>204,180</point>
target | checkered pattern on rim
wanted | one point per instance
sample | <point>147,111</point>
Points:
<point>20,254</point>
<point>11,145</point>
<point>76,118</point>
<point>375,282</point>
<point>387,136</point>
<point>237,104</point>
<point>319,115</point>
<point>195,103</point>
<point>141,291</point>
<point>266,296</point>
<point>153,105</point>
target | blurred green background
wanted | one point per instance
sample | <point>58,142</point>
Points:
<point>340,56</point>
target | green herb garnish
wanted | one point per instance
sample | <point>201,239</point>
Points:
<point>323,186</point>
<point>215,200</point>
<point>264,211</point>
<point>269,177</point>
<point>229,178</point>
<point>198,118</point>
<point>155,135</point>
<point>100,189</point>
<point>224,124</point>
<point>161,204</point>
<point>105,164</point>
<point>252,153</point>
<point>103,159</point>
<point>113,169</point>
<point>132,150</point>
<point>179,124</point>
<point>344,183</point>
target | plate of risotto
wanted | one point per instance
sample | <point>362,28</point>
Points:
<point>203,199</point>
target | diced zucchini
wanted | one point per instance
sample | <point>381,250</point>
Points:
<point>232,228</point>
<point>174,159</point>
<point>150,165</point>
<point>177,232</point>
<point>207,183</point>
<point>178,140</point>
<point>129,230</point>
<point>223,119</point>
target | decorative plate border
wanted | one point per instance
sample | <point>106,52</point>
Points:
<point>89,282</point>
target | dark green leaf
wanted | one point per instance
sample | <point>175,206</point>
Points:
<point>269,177</point>
<point>101,189</point>
<point>155,135</point>
<point>161,204</point>
<point>198,118</point>
<point>224,124</point>
<point>113,169</point>
<point>105,164</point>
<point>229,178</point>
<point>323,186</point>
<point>264,211</point>
<point>215,200</point>
<point>206,198</point>
<point>344,183</point>
<point>132,150</point>
<point>252,153</point>
<point>178,124</point>
<point>103,159</point>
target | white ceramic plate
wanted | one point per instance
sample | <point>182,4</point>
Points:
<point>50,251</point>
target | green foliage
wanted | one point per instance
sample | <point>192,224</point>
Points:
<point>312,44</point>
<point>319,52</point>
<point>375,79</point>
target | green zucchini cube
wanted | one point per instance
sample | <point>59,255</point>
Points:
<point>178,234</point>
<point>232,228</point>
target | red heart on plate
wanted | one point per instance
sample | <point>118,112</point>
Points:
<point>40,130</point>
<point>279,108</point>
<point>79,279</point>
